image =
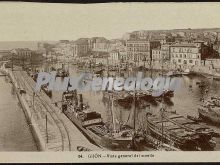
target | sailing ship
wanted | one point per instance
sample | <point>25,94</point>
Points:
<point>144,133</point>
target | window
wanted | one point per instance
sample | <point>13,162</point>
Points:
<point>179,60</point>
<point>180,55</point>
<point>190,61</point>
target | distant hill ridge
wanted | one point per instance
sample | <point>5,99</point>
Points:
<point>183,30</point>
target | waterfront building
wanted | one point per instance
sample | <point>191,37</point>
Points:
<point>91,42</point>
<point>116,44</point>
<point>158,58</point>
<point>138,50</point>
<point>64,48</point>
<point>21,53</point>
<point>123,54</point>
<point>26,57</point>
<point>114,57</point>
<point>156,54</point>
<point>117,55</point>
<point>101,44</point>
<point>189,54</point>
<point>165,51</point>
<point>80,47</point>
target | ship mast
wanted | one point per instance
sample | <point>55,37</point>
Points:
<point>162,116</point>
<point>151,67</point>
<point>68,67</point>
<point>162,109</point>
<point>134,110</point>
<point>107,67</point>
<point>113,115</point>
<point>119,69</point>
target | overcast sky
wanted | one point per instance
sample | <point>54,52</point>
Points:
<point>35,21</point>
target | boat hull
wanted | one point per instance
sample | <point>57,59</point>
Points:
<point>101,141</point>
<point>184,133</point>
<point>208,117</point>
<point>168,139</point>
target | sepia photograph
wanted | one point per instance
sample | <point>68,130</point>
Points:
<point>109,77</point>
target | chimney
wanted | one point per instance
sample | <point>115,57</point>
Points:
<point>81,101</point>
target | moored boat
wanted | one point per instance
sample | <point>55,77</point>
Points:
<point>185,134</point>
<point>209,115</point>
<point>174,73</point>
<point>62,73</point>
<point>186,72</point>
<point>210,110</point>
<point>92,125</point>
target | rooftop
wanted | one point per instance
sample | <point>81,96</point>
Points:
<point>184,45</point>
<point>22,49</point>
<point>81,41</point>
<point>101,40</point>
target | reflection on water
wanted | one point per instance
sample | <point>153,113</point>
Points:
<point>15,134</point>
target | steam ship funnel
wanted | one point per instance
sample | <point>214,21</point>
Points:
<point>81,101</point>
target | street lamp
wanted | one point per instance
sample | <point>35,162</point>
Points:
<point>46,130</point>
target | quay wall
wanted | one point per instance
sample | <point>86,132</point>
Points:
<point>40,142</point>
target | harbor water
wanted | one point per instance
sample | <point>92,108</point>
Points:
<point>15,134</point>
<point>186,101</point>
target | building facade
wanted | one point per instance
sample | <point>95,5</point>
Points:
<point>114,57</point>
<point>80,47</point>
<point>64,48</point>
<point>101,44</point>
<point>139,50</point>
<point>21,53</point>
<point>186,55</point>
<point>156,54</point>
<point>165,52</point>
